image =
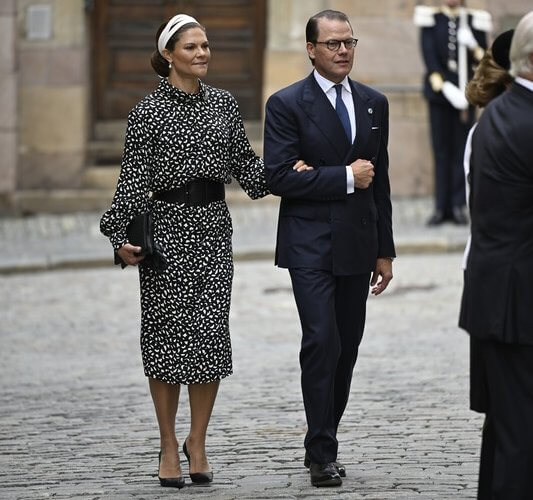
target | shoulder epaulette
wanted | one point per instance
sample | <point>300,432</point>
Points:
<point>481,20</point>
<point>424,16</point>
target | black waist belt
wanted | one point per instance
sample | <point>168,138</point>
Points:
<point>198,192</point>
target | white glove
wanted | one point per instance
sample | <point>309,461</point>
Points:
<point>455,97</point>
<point>466,37</point>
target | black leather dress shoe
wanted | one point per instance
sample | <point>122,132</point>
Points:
<point>170,482</point>
<point>437,218</point>
<point>459,217</point>
<point>340,468</point>
<point>197,477</point>
<point>323,475</point>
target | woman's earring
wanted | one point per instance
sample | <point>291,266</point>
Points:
<point>169,64</point>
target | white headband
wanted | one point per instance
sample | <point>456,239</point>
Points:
<point>172,26</point>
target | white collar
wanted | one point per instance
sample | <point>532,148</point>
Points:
<point>326,85</point>
<point>524,82</point>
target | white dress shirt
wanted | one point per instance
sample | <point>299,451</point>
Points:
<point>466,166</point>
<point>329,89</point>
<point>528,84</point>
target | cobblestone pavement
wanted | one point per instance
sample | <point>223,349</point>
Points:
<point>74,240</point>
<point>77,419</point>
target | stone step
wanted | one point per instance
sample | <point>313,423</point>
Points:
<point>254,130</point>
<point>61,201</point>
<point>105,152</point>
<point>100,177</point>
<point>105,177</point>
<point>115,130</point>
<point>110,130</point>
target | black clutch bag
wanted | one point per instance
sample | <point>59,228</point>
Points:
<point>139,233</point>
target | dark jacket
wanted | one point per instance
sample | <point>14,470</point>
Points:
<point>320,226</point>
<point>498,292</point>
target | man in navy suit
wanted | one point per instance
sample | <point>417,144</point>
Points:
<point>335,221</point>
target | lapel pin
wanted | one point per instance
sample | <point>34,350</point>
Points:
<point>370,111</point>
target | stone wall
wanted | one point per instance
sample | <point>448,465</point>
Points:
<point>53,93</point>
<point>387,57</point>
<point>8,101</point>
<point>45,83</point>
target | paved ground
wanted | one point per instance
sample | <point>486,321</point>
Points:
<point>77,420</point>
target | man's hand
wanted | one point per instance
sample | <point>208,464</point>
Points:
<point>127,254</point>
<point>363,173</point>
<point>383,269</point>
<point>300,166</point>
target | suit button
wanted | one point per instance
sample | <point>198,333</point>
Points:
<point>363,221</point>
<point>329,220</point>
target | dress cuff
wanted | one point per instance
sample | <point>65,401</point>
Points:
<point>118,240</point>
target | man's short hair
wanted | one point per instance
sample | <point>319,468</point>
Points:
<point>522,47</point>
<point>311,30</point>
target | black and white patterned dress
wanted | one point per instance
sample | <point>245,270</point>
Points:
<point>173,138</point>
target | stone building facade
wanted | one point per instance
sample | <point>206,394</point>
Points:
<point>47,130</point>
<point>44,89</point>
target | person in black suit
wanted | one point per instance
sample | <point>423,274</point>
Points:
<point>335,221</point>
<point>498,289</point>
<point>443,32</point>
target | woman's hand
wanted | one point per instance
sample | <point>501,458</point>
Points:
<point>127,254</point>
<point>300,166</point>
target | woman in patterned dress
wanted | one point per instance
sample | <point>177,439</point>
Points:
<point>184,141</point>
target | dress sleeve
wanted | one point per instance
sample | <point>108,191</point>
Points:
<point>245,166</point>
<point>133,187</point>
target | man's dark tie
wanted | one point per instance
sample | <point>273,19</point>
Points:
<point>340,107</point>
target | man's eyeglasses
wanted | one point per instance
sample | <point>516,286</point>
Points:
<point>335,45</point>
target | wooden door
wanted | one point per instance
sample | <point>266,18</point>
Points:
<point>123,38</point>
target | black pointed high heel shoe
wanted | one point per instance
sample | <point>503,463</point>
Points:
<point>197,477</point>
<point>170,482</point>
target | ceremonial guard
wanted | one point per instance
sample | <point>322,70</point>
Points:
<point>453,39</point>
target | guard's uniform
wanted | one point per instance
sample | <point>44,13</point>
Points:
<point>449,126</point>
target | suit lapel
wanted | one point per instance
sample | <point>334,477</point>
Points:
<point>317,107</point>
<point>363,120</point>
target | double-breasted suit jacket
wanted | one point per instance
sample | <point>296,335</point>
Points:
<point>320,225</point>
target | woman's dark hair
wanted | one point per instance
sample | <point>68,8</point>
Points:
<point>311,29</point>
<point>158,62</point>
